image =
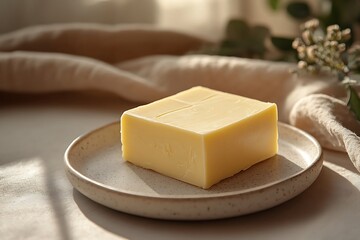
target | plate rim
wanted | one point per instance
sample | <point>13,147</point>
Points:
<point>117,191</point>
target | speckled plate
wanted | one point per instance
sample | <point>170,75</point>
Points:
<point>95,167</point>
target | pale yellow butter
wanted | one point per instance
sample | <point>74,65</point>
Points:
<point>200,136</point>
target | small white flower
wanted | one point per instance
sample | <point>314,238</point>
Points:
<point>302,64</point>
<point>342,47</point>
<point>297,43</point>
<point>334,44</point>
<point>311,52</point>
<point>346,34</point>
<point>311,24</point>
<point>333,28</point>
<point>306,36</point>
<point>301,49</point>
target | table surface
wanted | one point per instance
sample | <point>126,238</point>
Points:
<point>38,202</point>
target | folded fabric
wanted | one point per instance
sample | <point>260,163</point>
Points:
<point>143,64</point>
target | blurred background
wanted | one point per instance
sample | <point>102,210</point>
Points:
<point>262,29</point>
<point>206,18</point>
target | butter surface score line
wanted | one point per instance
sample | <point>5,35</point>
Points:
<point>200,136</point>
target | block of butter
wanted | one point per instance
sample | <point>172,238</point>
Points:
<point>200,136</point>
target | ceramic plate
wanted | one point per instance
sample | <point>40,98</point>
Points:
<point>95,167</point>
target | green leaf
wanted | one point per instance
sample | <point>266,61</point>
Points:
<point>282,43</point>
<point>226,52</point>
<point>243,40</point>
<point>299,10</point>
<point>237,29</point>
<point>354,102</point>
<point>274,4</point>
<point>228,44</point>
<point>257,40</point>
<point>231,48</point>
<point>260,32</point>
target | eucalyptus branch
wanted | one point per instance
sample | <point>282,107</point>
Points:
<point>318,50</point>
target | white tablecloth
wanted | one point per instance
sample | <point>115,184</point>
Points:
<point>38,202</point>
